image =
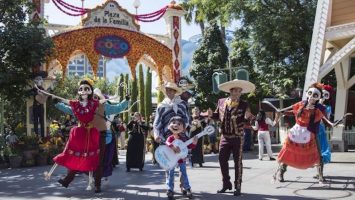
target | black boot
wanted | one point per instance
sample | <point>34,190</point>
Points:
<point>236,192</point>
<point>283,169</point>
<point>223,190</point>
<point>63,183</point>
<point>97,189</point>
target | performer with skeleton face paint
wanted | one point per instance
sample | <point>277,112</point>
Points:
<point>81,153</point>
<point>300,149</point>
<point>100,121</point>
<point>322,135</point>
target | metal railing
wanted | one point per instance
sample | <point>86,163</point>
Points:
<point>348,136</point>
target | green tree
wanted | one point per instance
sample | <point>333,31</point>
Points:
<point>23,46</point>
<point>126,92</point>
<point>134,94</point>
<point>211,54</point>
<point>148,94</point>
<point>194,12</point>
<point>105,86</point>
<point>120,89</point>
<point>141,90</point>
<point>278,35</point>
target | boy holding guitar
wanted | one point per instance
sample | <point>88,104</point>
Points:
<point>177,128</point>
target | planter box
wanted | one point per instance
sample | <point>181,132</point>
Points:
<point>15,161</point>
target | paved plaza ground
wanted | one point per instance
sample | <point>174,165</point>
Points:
<point>28,183</point>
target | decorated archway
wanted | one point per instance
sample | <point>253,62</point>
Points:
<point>111,31</point>
<point>113,43</point>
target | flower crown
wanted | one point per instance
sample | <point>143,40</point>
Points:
<point>91,82</point>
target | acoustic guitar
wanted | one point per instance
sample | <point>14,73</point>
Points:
<point>168,159</point>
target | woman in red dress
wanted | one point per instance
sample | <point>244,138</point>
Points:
<point>300,149</point>
<point>81,153</point>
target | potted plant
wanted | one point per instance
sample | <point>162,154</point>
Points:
<point>42,157</point>
<point>14,154</point>
<point>30,149</point>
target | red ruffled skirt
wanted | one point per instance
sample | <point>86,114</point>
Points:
<point>82,150</point>
<point>300,156</point>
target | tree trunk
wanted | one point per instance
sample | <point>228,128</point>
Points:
<point>202,27</point>
<point>223,33</point>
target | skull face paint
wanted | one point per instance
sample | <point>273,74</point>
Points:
<point>326,95</point>
<point>38,81</point>
<point>84,91</point>
<point>313,95</point>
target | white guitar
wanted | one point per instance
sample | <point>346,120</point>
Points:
<point>168,159</point>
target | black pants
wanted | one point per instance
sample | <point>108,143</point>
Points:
<point>99,171</point>
<point>38,117</point>
<point>227,147</point>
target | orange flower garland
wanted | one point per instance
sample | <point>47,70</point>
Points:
<point>83,40</point>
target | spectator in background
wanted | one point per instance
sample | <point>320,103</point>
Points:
<point>262,126</point>
<point>248,134</point>
<point>122,138</point>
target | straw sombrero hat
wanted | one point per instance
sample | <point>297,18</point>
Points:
<point>170,85</point>
<point>246,86</point>
<point>98,92</point>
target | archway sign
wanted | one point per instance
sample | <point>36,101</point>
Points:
<point>111,31</point>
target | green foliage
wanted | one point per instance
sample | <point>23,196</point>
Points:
<point>148,95</point>
<point>105,86</point>
<point>121,89</point>
<point>23,46</point>
<point>30,141</point>
<point>141,90</point>
<point>274,40</point>
<point>126,91</point>
<point>13,150</point>
<point>212,54</point>
<point>134,94</point>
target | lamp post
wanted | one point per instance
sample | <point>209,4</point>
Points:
<point>298,89</point>
<point>136,5</point>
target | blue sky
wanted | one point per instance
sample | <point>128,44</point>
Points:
<point>117,66</point>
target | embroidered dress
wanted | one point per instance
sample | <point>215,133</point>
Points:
<point>300,147</point>
<point>82,149</point>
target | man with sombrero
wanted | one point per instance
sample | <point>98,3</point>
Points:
<point>232,113</point>
<point>170,107</point>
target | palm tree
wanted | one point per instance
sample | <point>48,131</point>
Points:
<point>194,10</point>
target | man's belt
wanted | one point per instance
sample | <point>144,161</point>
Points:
<point>232,136</point>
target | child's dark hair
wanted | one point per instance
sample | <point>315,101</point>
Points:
<point>178,119</point>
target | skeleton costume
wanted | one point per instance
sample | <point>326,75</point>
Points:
<point>300,149</point>
<point>81,153</point>
<point>322,135</point>
<point>99,121</point>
